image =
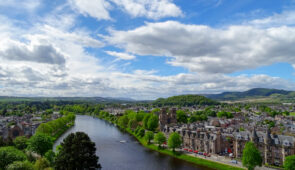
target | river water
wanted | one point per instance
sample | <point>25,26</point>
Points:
<point>114,155</point>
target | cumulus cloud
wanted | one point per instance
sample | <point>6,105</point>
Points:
<point>211,50</point>
<point>94,8</point>
<point>278,19</point>
<point>153,9</point>
<point>38,53</point>
<point>121,56</point>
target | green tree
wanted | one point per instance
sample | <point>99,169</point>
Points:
<point>77,152</point>
<point>123,121</point>
<point>140,132</point>
<point>145,120</point>
<point>40,143</point>
<point>149,136</point>
<point>251,156</point>
<point>41,164</point>
<point>160,138</point>
<point>20,165</point>
<point>133,124</point>
<point>50,156</point>
<point>181,116</point>
<point>153,123</point>
<point>10,154</point>
<point>174,141</point>
<point>20,142</point>
<point>290,163</point>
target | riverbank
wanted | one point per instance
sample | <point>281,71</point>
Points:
<point>178,155</point>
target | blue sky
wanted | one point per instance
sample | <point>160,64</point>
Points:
<point>145,49</point>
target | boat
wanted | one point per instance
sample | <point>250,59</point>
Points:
<point>123,141</point>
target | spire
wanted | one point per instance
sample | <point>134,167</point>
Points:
<point>254,136</point>
<point>268,139</point>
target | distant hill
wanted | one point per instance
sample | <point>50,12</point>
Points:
<point>256,94</point>
<point>184,100</point>
<point>71,99</point>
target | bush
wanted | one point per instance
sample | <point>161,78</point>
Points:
<point>20,165</point>
<point>20,142</point>
<point>40,143</point>
<point>10,154</point>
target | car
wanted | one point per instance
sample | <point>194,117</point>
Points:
<point>200,153</point>
<point>234,161</point>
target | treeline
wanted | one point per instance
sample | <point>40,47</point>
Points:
<point>56,127</point>
<point>184,100</point>
<point>36,152</point>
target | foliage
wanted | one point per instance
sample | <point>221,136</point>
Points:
<point>224,114</point>
<point>145,120</point>
<point>123,121</point>
<point>251,156</point>
<point>132,124</point>
<point>149,136</point>
<point>174,141</point>
<point>140,132</point>
<point>153,123</point>
<point>41,164</point>
<point>160,138</point>
<point>10,154</point>
<point>181,116</point>
<point>20,142</point>
<point>77,152</point>
<point>289,163</point>
<point>184,100</point>
<point>20,165</point>
<point>53,127</point>
<point>50,156</point>
<point>40,143</point>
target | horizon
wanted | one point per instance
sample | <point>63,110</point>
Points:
<point>145,50</point>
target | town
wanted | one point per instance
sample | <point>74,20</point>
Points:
<point>225,131</point>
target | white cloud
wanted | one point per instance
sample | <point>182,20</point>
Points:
<point>285,18</point>
<point>29,5</point>
<point>94,8</point>
<point>122,56</point>
<point>153,9</point>
<point>210,50</point>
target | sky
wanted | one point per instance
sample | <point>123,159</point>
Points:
<point>145,49</point>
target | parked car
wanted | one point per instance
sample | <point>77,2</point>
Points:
<point>234,161</point>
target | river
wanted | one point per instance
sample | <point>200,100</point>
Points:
<point>114,155</point>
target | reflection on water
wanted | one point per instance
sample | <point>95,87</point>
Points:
<point>115,155</point>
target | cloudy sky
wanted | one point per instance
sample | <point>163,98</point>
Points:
<point>145,49</point>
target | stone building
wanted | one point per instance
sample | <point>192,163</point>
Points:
<point>273,148</point>
<point>167,117</point>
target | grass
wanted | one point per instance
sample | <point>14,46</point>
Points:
<point>178,155</point>
<point>292,114</point>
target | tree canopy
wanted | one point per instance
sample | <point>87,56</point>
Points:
<point>184,100</point>
<point>149,136</point>
<point>251,156</point>
<point>77,152</point>
<point>174,141</point>
<point>40,143</point>
<point>160,138</point>
<point>290,163</point>
<point>10,154</point>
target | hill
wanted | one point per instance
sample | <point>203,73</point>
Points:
<point>184,100</point>
<point>65,99</point>
<point>256,94</point>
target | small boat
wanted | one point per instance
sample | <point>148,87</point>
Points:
<point>123,141</point>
